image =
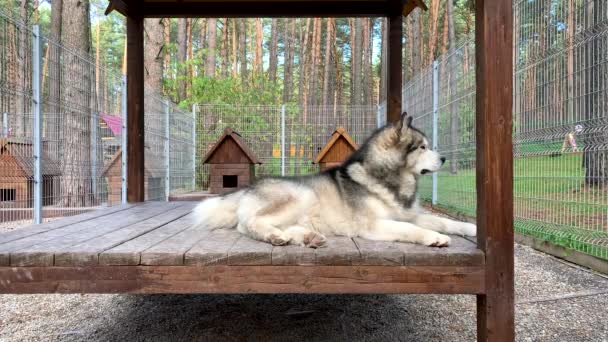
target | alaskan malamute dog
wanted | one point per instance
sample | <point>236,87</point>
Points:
<point>372,196</point>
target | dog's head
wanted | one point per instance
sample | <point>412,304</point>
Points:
<point>409,148</point>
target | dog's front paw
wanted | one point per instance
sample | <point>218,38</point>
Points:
<point>433,239</point>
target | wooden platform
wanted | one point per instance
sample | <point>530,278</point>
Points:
<point>153,248</point>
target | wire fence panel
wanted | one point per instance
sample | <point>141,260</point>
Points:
<point>560,124</point>
<point>307,129</point>
<point>81,118</point>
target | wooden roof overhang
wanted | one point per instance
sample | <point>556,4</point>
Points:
<point>263,8</point>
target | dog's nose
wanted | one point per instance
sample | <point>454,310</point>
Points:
<point>442,160</point>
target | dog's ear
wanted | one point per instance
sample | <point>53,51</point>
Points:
<point>405,122</point>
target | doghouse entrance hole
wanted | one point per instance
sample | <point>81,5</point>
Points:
<point>230,181</point>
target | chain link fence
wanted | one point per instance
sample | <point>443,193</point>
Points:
<point>560,124</point>
<point>286,139</point>
<point>62,141</point>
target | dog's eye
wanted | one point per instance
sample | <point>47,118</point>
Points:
<point>422,147</point>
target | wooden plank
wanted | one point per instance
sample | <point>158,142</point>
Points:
<point>339,250</point>
<point>129,253</point>
<point>45,227</point>
<point>394,75</point>
<point>247,251</point>
<point>54,234</point>
<point>39,250</point>
<point>379,252</point>
<point>170,252</point>
<point>87,252</point>
<point>243,279</point>
<point>494,128</point>
<point>213,249</point>
<point>293,255</point>
<point>135,109</point>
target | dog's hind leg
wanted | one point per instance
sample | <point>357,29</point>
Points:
<point>445,225</point>
<point>389,230</point>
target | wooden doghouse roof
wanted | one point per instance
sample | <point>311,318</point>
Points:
<point>152,168</point>
<point>262,8</point>
<point>338,135</point>
<point>233,141</point>
<point>23,152</point>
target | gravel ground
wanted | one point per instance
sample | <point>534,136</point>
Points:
<point>540,315</point>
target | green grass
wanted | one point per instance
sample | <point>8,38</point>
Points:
<point>551,201</point>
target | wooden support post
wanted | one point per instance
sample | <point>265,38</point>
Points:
<point>395,35</point>
<point>135,109</point>
<point>494,53</point>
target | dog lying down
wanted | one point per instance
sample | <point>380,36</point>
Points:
<point>372,196</point>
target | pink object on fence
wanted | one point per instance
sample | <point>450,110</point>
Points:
<point>114,122</point>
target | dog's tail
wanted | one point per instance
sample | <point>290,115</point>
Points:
<point>218,212</point>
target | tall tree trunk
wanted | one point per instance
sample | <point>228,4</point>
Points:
<point>235,63</point>
<point>367,89</point>
<point>211,45</point>
<point>53,120</point>
<point>315,61</point>
<point>243,48</point>
<point>416,41</point>
<point>21,124</point>
<point>190,56</point>
<point>153,54</point>
<point>304,61</point>
<point>356,59</point>
<point>258,68</point>
<point>454,118</point>
<point>274,50</point>
<point>328,73</point>
<point>225,48</point>
<point>433,20</point>
<point>167,52</point>
<point>290,35</point>
<point>383,60</point>
<point>76,166</point>
<point>182,53</point>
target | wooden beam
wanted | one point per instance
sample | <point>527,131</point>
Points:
<point>494,55</point>
<point>267,9</point>
<point>135,109</point>
<point>394,49</point>
<point>117,5</point>
<point>243,279</point>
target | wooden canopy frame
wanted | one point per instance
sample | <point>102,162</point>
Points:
<point>492,281</point>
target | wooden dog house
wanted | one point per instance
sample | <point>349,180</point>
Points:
<point>136,256</point>
<point>337,150</point>
<point>232,163</point>
<point>112,171</point>
<point>17,174</point>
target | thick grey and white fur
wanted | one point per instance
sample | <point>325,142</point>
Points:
<point>371,196</point>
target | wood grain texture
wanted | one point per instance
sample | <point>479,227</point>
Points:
<point>129,253</point>
<point>87,252</point>
<point>39,250</point>
<point>45,227</point>
<point>494,73</point>
<point>339,250</point>
<point>242,279</point>
<point>135,109</point>
<point>213,249</point>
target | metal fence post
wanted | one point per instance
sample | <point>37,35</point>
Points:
<point>435,128</point>
<point>37,111</point>
<point>124,142</point>
<point>283,140</point>
<point>194,147</point>
<point>167,151</point>
<point>94,146</point>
